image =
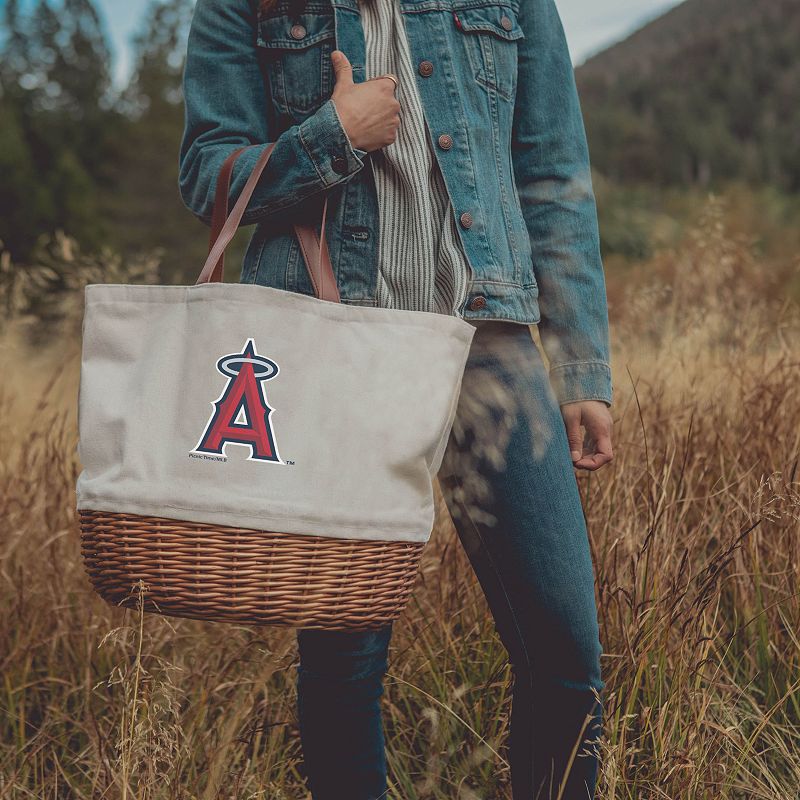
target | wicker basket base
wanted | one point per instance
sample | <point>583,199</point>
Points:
<point>231,574</point>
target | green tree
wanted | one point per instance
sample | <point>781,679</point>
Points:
<point>58,123</point>
<point>146,207</point>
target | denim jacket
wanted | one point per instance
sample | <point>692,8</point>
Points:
<point>493,74</point>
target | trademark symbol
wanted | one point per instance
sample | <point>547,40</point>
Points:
<point>289,462</point>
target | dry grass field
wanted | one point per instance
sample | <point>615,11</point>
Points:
<point>695,532</point>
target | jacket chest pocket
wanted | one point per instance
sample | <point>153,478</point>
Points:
<point>490,35</point>
<point>296,55</point>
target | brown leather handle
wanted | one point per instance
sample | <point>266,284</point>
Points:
<point>223,227</point>
<point>220,211</point>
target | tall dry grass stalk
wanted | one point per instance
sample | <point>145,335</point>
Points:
<point>694,533</point>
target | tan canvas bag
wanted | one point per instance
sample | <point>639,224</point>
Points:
<point>255,454</point>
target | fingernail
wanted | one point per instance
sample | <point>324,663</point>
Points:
<point>575,455</point>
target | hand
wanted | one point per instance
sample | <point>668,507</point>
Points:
<point>369,111</point>
<point>593,450</point>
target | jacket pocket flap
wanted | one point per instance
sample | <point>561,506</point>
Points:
<point>499,20</point>
<point>285,33</point>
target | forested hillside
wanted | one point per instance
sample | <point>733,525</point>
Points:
<point>80,155</point>
<point>708,92</point>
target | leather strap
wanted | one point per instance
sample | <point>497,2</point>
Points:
<point>314,247</point>
<point>318,259</point>
<point>220,211</point>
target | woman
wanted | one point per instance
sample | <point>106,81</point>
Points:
<point>448,139</point>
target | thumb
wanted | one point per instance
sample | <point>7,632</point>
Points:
<point>342,68</point>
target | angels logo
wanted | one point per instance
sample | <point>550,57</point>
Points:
<point>241,413</point>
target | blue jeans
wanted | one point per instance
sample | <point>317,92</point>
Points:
<point>508,458</point>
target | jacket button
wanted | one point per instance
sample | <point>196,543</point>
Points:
<point>425,68</point>
<point>339,164</point>
<point>466,220</point>
<point>445,141</point>
<point>478,303</point>
<point>297,32</point>
<point>506,23</point>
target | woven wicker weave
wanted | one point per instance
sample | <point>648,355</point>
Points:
<point>231,574</point>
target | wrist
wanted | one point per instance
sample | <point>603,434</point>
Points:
<point>352,138</point>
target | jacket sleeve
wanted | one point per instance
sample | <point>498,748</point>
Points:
<point>551,167</point>
<point>224,93</point>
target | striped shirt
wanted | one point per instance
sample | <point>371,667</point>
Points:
<point>422,266</point>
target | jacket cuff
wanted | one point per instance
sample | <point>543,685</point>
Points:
<point>582,380</point>
<point>328,146</point>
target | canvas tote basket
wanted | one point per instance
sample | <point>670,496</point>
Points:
<point>257,455</point>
